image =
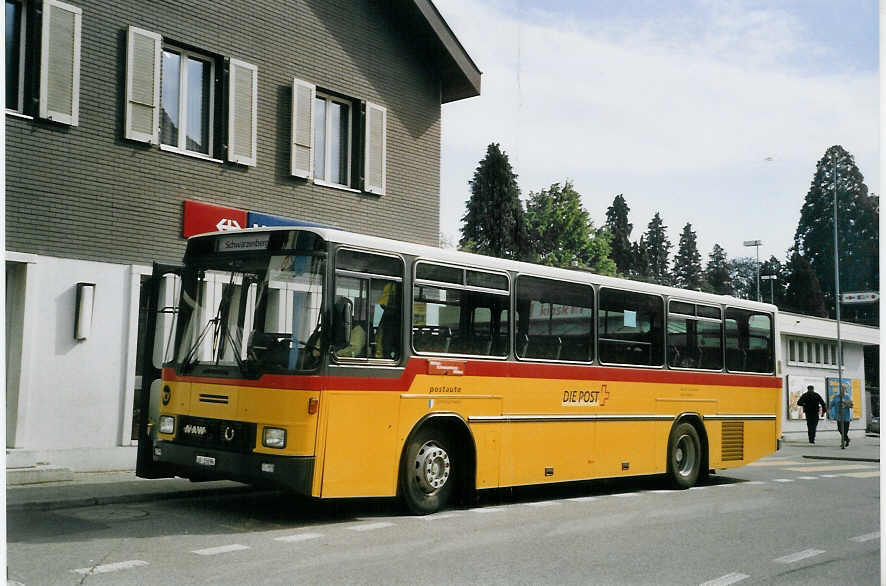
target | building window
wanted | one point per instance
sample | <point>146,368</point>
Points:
<point>332,140</point>
<point>186,101</point>
<point>45,60</point>
<point>811,353</point>
<point>15,55</point>
<point>175,98</point>
<point>338,140</point>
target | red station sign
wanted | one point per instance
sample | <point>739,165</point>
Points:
<point>202,217</point>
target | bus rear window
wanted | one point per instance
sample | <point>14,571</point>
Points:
<point>749,344</point>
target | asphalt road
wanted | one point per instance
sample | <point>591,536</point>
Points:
<point>785,520</point>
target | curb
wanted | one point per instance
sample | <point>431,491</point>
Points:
<point>73,503</point>
<point>846,458</point>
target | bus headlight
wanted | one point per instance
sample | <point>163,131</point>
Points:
<point>167,424</point>
<point>274,437</point>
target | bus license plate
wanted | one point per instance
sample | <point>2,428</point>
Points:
<point>206,460</point>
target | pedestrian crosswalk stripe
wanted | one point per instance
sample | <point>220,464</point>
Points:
<point>800,555</point>
<point>298,537</point>
<point>775,463</point>
<point>371,526</point>
<point>871,474</point>
<point>831,468</point>
<point>726,580</point>
<point>867,537</point>
<point>783,480</point>
<point>107,568</point>
<point>220,549</point>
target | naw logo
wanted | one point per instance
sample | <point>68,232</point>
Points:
<point>585,397</point>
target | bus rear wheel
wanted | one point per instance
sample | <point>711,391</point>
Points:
<point>427,474</point>
<point>684,456</point>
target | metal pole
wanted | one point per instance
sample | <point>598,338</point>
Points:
<point>758,272</point>
<point>772,290</point>
<point>837,304</point>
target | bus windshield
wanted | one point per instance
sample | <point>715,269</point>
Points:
<point>251,314</point>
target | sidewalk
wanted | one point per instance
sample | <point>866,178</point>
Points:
<point>861,447</point>
<point>102,488</point>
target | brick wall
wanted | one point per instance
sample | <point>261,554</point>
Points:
<point>85,192</point>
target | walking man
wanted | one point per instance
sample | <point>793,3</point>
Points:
<point>812,403</point>
<point>842,413</point>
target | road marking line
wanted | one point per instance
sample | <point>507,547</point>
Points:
<point>220,549</point>
<point>583,499</point>
<point>807,477</point>
<point>624,495</point>
<point>490,509</point>
<point>776,463</point>
<point>831,468</point>
<point>783,480</point>
<point>439,516</point>
<point>698,487</point>
<point>541,504</point>
<point>871,474</point>
<point>800,555</point>
<point>107,568</point>
<point>863,538</point>
<point>726,580</point>
<point>830,475</point>
<point>371,526</point>
<point>298,537</point>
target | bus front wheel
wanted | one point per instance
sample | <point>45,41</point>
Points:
<point>428,470</point>
<point>684,456</point>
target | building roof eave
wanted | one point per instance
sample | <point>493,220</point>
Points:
<point>459,75</point>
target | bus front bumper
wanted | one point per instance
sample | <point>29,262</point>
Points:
<point>291,472</point>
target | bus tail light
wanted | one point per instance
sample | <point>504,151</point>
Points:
<point>313,405</point>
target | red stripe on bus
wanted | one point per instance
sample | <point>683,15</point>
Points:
<point>487,368</point>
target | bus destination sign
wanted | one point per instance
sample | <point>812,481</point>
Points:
<point>242,242</point>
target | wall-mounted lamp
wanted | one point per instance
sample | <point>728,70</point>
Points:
<point>83,310</point>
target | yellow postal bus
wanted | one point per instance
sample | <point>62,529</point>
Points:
<point>341,365</point>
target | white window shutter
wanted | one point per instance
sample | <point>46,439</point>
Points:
<point>303,94</point>
<point>60,62</point>
<point>375,142</point>
<point>242,115</point>
<point>143,51</point>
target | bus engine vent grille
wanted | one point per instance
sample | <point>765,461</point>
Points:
<point>207,398</point>
<point>733,440</point>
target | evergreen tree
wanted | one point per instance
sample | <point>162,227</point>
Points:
<point>717,272</point>
<point>620,229</point>
<point>804,294</point>
<point>562,234</point>
<point>857,231</point>
<point>640,264</point>
<point>658,247</point>
<point>493,223</point>
<point>687,264</point>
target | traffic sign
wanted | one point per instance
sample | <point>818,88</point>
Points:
<point>865,297</point>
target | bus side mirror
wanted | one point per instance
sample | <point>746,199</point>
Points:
<point>341,322</point>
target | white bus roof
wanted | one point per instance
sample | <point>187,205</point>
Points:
<point>490,263</point>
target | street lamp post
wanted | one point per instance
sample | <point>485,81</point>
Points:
<point>771,279</point>
<point>756,243</point>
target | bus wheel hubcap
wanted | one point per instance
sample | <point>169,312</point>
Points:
<point>432,467</point>
<point>684,455</point>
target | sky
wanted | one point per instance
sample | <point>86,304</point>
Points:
<point>711,112</point>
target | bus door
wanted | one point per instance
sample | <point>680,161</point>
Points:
<point>162,297</point>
